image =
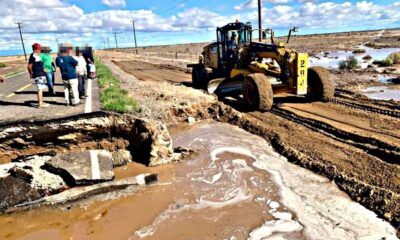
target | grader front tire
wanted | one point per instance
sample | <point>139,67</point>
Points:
<point>257,92</point>
<point>320,84</point>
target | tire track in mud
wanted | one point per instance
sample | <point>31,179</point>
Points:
<point>358,106</point>
<point>353,97</point>
<point>384,151</point>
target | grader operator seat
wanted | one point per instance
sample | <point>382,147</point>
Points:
<point>230,39</point>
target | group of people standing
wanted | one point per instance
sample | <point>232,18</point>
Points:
<point>75,64</point>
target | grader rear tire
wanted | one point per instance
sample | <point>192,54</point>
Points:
<point>200,77</point>
<point>196,71</point>
<point>257,92</point>
<point>320,84</point>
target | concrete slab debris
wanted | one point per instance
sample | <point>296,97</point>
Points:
<point>82,168</point>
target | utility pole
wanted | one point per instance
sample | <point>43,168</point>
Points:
<point>259,21</point>
<point>108,42</point>
<point>116,42</point>
<point>22,39</point>
<point>134,35</point>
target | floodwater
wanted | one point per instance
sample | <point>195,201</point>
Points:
<point>382,93</point>
<point>332,59</point>
<point>234,187</point>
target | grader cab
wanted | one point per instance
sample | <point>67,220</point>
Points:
<point>235,65</point>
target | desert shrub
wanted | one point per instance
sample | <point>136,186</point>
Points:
<point>350,63</point>
<point>367,57</point>
<point>358,51</point>
<point>387,62</point>
<point>395,57</point>
<point>3,65</point>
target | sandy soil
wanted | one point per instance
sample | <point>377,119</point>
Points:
<point>14,65</point>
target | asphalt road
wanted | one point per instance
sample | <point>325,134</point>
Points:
<point>18,100</point>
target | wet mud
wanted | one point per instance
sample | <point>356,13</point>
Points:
<point>235,187</point>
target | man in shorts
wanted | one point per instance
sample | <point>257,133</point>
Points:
<point>36,71</point>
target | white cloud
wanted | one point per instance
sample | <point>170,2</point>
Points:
<point>115,3</point>
<point>69,22</point>
<point>246,5</point>
<point>251,4</point>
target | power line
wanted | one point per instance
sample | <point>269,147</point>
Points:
<point>116,42</point>
<point>259,22</point>
<point>134,35</point>
<point>22,39</point>
<point>173,7</point>
<point>166,6</point>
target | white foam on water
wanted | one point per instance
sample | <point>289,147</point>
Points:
<point>235,196</point>
<point>145,232</point>
<point>273,204</point>
<point>214,178</point>
<point>324,211</point>
<point>283,215</point>
<point>275,227</point>
<point>238,150</point>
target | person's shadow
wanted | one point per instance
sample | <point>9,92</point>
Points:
<point>45,94</point>
<point>29,103</point>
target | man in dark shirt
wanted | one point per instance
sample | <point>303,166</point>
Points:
<point>36,71</point>
<point>88,56</point>
<point>67,65</point>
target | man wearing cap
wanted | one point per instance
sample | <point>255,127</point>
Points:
<point>36,71</point>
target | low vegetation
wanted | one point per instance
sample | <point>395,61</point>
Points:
<point>350,63</point>
<point>394,57</point>
<point>113,97</point>
<point>3,65</point>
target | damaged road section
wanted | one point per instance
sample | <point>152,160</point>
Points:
<point>42,162</point>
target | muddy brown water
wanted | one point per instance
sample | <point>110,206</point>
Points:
<point>235,187</point>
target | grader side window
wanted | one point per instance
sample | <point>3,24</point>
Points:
<point>214,50</point>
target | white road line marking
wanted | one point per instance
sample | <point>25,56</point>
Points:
<point>24,87</point>
<point>95,164</point>
<point>88,104</point>
<point>19,90</point>
<point>16,74</point>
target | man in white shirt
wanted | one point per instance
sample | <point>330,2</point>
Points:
<point>82,72</point>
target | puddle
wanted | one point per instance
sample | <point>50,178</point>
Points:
<point>382,93</point>
<point>332,59</point>
<point>235,187</point>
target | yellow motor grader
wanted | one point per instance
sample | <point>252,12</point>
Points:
<point>235,65</point>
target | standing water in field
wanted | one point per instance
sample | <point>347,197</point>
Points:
<point>332,59</point>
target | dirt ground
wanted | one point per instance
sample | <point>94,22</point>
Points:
<point>13,65</point>
<point>351,140</point>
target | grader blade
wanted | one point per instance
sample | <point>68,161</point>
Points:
<point>225,87</point>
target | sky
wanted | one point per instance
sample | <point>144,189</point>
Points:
<point>161,22</point>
